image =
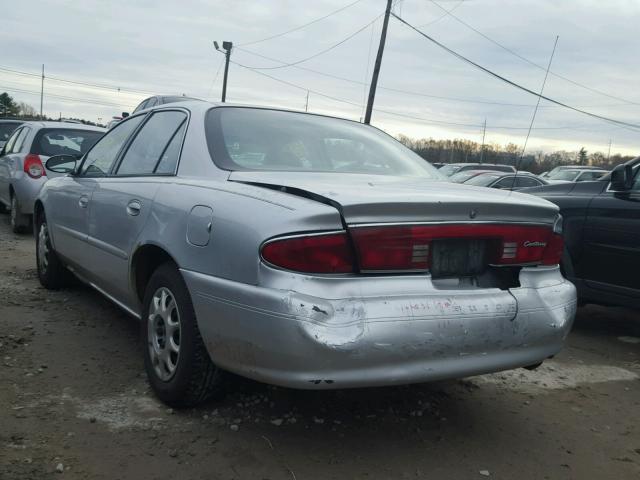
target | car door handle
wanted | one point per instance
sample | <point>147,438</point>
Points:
<point>84,201</point>
<point>133,207</point>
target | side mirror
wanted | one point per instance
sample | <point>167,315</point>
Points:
<point>125,114</point>
<point>622,178</point>
<point>62,163</point>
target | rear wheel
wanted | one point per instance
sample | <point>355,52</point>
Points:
<point>51,272</point>
<point>19,222</point>
<point>177,363</point>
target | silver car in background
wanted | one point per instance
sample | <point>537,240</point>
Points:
<point>22,171</point>
<point>301,250</point>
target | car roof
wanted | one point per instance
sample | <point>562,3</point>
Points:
<point>65,125</point>
<point>205,105</point>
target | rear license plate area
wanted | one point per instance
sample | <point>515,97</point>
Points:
<point>458,257</point>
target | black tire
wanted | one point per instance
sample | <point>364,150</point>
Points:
<point>52,274</point>
<point>19,222</point>
<point>195,378</point>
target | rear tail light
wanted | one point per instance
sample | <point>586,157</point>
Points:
<point>323,253</point>
<point>408,248</point>
<point>33,166</point>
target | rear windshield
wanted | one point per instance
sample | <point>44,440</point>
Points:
<point>6,129</point>
<point>64,141</point>
<point>261,139</point>
<point>449,170</point>
<point>482,180</point>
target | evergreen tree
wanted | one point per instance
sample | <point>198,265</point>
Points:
<point>8,107</point>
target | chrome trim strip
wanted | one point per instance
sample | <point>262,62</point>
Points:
<point>298,235</point>
<point>456,222</point>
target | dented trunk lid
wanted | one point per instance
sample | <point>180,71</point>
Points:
<point>373,199</point>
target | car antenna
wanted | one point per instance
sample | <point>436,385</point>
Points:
<point>533,118</point>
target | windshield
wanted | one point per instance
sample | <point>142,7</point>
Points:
<point>564,175</point>
<point>6,129</point>
<point>482,180</point>
<point>58,141</point>
<point>261,139</point>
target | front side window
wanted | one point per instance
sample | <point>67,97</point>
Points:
<point>272,140</point>
<point>590,176</point>
<point>150,148</point>
<point>102,156</point>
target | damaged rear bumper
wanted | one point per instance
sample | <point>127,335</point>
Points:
<point>311,332</point>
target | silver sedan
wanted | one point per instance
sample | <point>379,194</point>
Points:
<point>301,250</point>
<point>22,158</point>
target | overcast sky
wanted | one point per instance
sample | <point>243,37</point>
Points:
<point>165,47</point>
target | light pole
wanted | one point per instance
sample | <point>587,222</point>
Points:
<point>226,48</point>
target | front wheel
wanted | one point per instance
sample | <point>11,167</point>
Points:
<point>177,363</point>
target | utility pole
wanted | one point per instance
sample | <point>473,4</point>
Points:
<point>376,68</point>
<point>484,132</point>
<point>226,46</point>
<point>306,103</point>
<point>609,152</point>
<point>41,91</point>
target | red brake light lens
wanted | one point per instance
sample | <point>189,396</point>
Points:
<point>325,253</point>
<point>33,166</point>
<point>408,248</point>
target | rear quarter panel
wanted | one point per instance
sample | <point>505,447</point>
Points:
<point>243,217</point>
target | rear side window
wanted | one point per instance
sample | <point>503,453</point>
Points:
<point>527,182</point>
<point>19,145</point>
<point>505,183</point>
<point>12,141</point>
<point>102,156</point>
<point>64,141</point>
<point>156,147</point>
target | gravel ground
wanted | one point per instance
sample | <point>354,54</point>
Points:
<point>74,403</point>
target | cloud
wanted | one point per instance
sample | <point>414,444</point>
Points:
<point>166,48</point>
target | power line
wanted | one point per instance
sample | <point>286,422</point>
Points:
<point>404,115</point>
<point>447,12</point>
<point>514,84</point>
<point>64,97</point>
<point>301,26</point>
<point>76,82</point>
<point>413,93</point>
<point>535,111</point>
<point>216,77</point>
<point>512,52</point>
<point>322,51</point>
